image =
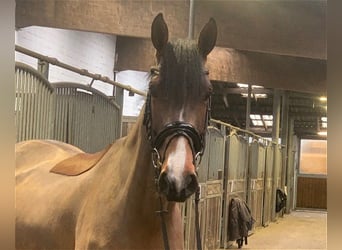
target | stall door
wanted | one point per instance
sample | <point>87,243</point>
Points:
<point>256,181</point>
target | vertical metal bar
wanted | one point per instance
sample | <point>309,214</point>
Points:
<point>40,117</point>
<point>76,121</point>
<point>71,130</point>
<point>45,113</point>
<point>62,112</point>
<point>25,107</point>
<point>276,116</point>
<point>63,117</point>
<point>17,111</point>
<point>96,125</point>
<point>81,122</point>
<point>21,127</point>
<point>284,136</point>
<point>191,19</point>
<point>35,127</point>
<point>70,107</point>
<point>248,107</point>
<point>290,169</point>
<point>66,124</point>
<point>38,105</point>
<point>57,115</point>
<point>29,106</point>
<point>17,101</point>
<point>275,139</point>
<point>52,111</point>
<point>119,100</point>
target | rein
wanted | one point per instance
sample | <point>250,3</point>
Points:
<point>172,130</point>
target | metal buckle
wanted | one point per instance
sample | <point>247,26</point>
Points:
<point>156,159</point>
<point>198,159</point>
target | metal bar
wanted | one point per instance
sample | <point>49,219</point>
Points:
<point>84,87</point>
<point>28,69</point>
<point>51,114</point>
<point>284,136</point>
<point>248,107</point>
<point>290,169</point>
<point>20,107</point>
<point>191,19</point>
<point>56,116</point>
<point>44,113</point>
<point>17,104</point>
<point>83,72</point>
<point>241,130</point>
<point>30,111</point>
<point>63,118</point>
<point>239,91</point>
<point>275,138</point>
<point>40,106</point>
<point>25,116</point>
<point>24,106</point>
<point>35,105</point>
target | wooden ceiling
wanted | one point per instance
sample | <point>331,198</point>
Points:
<point>278,44</point>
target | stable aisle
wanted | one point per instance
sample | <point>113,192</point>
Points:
<point>298,230</point>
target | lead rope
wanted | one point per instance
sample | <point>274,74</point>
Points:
<point>156,164</point>
<point>163,225</point>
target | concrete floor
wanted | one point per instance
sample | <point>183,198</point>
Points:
<point>298,230</point>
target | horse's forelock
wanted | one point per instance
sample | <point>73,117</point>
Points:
<point>181,68</point>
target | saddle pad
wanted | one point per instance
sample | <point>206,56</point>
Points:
<point>78,164</point>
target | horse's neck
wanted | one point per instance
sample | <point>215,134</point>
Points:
<point>133,186</point>
<point>139,176</point>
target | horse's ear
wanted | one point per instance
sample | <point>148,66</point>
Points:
<point>159,32</point>
<point>207,38</point>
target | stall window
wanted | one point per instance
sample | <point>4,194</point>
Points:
<point>313,157</point>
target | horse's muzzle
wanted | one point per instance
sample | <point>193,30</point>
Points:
<point>175,189</point>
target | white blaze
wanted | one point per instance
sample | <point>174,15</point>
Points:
<point>176,162</point>
<point>181,118</point>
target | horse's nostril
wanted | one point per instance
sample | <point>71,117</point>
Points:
<point>177,189</point>
<point>164,184</point>
<point>191,184</point>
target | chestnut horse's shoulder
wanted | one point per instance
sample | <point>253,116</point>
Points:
<point>31,153</point>
<point>79,163</point>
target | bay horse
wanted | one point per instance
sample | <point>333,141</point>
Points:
<point>67,199</point>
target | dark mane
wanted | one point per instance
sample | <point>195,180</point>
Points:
<point>181,68</point>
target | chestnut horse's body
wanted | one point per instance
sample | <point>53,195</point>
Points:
<point>113,205</point>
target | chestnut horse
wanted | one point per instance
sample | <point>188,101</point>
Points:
<point>67,199</point>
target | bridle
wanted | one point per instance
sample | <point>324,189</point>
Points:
<point>171,130</point>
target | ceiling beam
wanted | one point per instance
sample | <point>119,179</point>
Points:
<point>268,70</point>
<point>295,28</point>
<point>229,65</point>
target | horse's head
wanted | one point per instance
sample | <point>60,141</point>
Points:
<point>177,108</point>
